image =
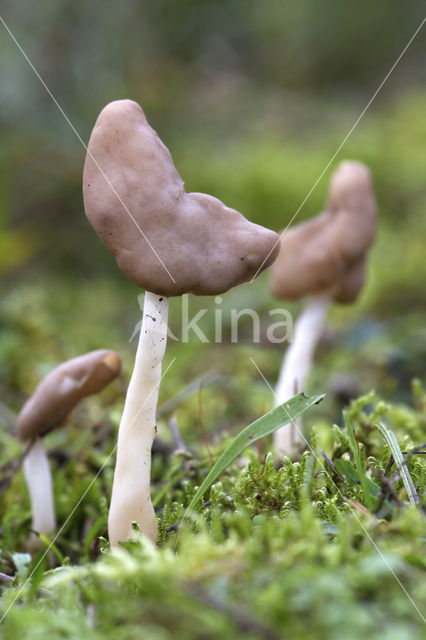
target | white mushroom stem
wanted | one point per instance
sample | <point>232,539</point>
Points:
<point>131,498</point>
<point>296,366</point>
<point>39,481</point>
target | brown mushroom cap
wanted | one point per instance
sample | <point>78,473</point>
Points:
<point>206,247</point>
<point>63,388</point>
<point>328,253</point>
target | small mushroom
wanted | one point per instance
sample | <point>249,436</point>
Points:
<point>322,260</point>
<point>168,242</point>
<point>48,408</point>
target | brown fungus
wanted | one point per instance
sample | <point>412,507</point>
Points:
<point>48,408</point>
<point>165,240</point>
<point>328,253</point>
<point>168,242</point>
<point>322,260</point>
<point>63,388</point>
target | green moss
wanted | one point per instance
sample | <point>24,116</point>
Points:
<point>287,551</point>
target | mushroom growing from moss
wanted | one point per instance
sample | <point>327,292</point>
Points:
<point>168,242</point>
<point>322,260</point>
<point>47,409</point>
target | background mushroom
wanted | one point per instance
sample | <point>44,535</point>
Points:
<point>322,260</point>
<point>168,242</point>
<point>48,408</point>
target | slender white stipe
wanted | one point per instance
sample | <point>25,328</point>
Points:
<point>296,366</point>
<point>131,498</point>
<point>39,482</point>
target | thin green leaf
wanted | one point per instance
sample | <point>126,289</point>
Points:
<point>52,547</point>
<point>400,463</point>
<point>366,483</point>
<point>267,424</point>
<point>36,573</point>
<point>345,468</point>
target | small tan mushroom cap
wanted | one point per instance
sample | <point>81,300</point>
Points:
<point>63,388</point>
<point>328,253</point>
<point>206,247</point>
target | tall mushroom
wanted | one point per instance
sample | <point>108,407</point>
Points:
<point>322,260</point>
<point>48,408</point>
<point>168,242</point>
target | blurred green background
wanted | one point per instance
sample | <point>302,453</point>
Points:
<point>253,99</point>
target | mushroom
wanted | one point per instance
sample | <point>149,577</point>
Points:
<point>168,242</point>
<point>48,408</point>
<point>322,260</point>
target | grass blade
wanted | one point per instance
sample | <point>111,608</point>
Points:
<point>400,464</point>
<point>369,488</point>
<point>267,424</point>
